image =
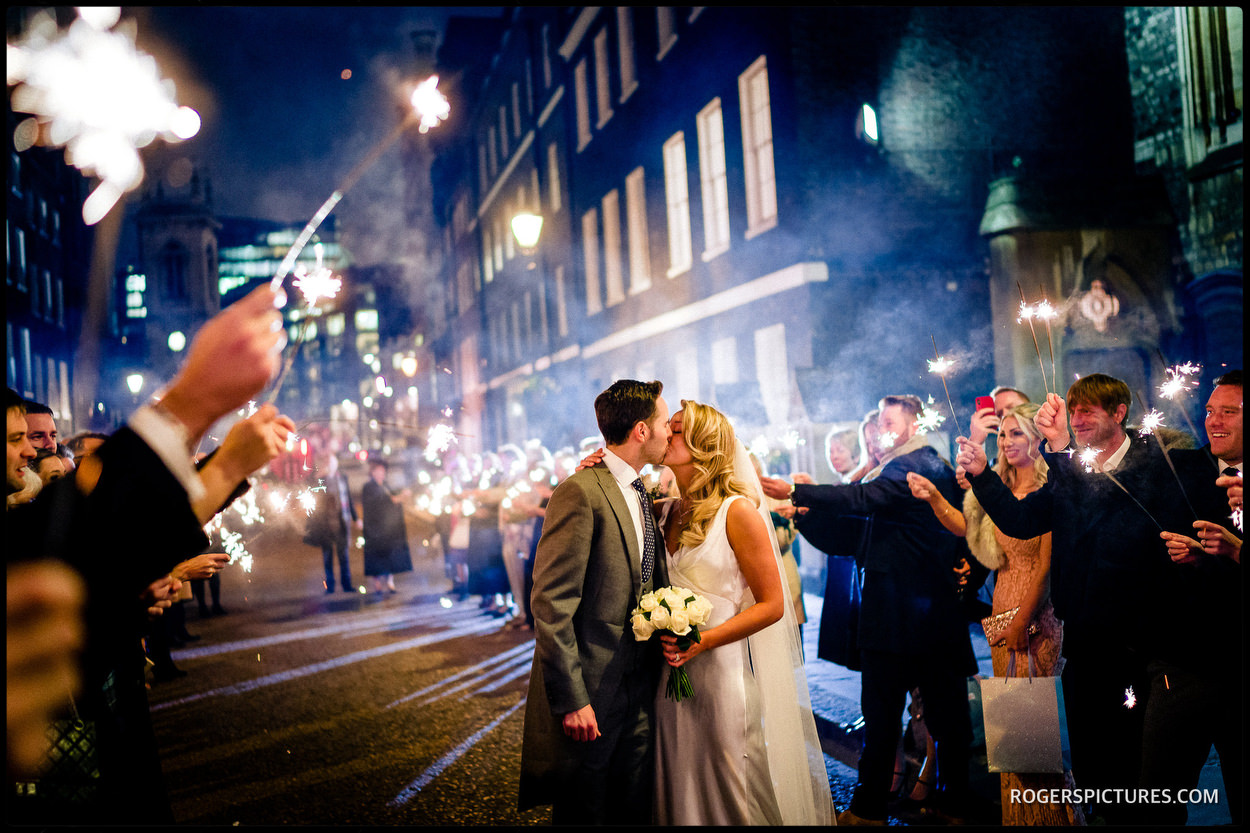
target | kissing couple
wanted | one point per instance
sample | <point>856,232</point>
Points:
<point>602,742</point>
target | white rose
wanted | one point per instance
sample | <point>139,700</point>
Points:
<point>643,628</point>
<point>699,610</point>
<point>679,623</point>
<point>648,602</point>
<point>671,598</point>
<point>659,618</point>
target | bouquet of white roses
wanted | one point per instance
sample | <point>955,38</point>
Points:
<point>680,612</point>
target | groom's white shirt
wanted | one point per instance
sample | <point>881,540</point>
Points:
<point>624,475</point>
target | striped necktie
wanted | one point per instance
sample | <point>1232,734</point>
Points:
<point>648,531</point>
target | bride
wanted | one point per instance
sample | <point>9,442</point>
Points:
<point>744,749</point>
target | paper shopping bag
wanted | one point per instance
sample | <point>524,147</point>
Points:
<point>1026,729</point>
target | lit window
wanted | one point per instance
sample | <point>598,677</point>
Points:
<point>336,324</point>
<point>677,199</point>
<point>553,177</point>
<point>582,96</point>
<point>590,242</point>
<point>625,45</point>
<point>665,30</point>
<point>602,78</point>
<point>639,250</point>
<point>757,143</point>
<point>614,281</point>
<point>712,180</point>
<point>868,125</point>
<point>367,320</point>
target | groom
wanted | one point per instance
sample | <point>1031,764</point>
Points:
<point>588,747</point>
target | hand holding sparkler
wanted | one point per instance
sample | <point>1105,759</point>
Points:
<point>232,358</point>
<point>249,445</point>
<point>1232,483</point>
<point>205,565</point>
<point>776,488</point>
<point>1052,422</point>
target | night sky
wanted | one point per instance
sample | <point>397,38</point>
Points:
<point>281,125</point>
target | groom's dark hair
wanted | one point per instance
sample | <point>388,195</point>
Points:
<point>622,406</point>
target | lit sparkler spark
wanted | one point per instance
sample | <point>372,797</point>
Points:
<point>929,420</point>
<point>317,284</point>
<point>430,105</point>
<point>94,93</point>
<point>940,365</point>
<point>1026,313</point>
<point>439,438</point>
<point>1178,380</point>
<point>1151,421</point>
<point>307,501</point>
<point>1130,698</point>
<point>886,439</point>
<point>1089,457</point>
<point>1044,310</point>
<point>1236,518</point>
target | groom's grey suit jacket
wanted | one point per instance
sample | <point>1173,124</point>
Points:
<point>587,580</point>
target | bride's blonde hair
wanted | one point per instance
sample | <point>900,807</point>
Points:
<point>712,443</point>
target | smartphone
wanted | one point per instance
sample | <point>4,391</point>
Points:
<point>984,402</point>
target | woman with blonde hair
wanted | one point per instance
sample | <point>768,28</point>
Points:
<point>1022,585</point>
<point>744,749</point>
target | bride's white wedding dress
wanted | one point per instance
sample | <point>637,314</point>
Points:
<point>743,750</point>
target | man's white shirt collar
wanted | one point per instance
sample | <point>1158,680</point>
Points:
<point>622,471</point>
<point>1113,462</point>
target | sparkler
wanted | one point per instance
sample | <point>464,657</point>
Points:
<point>1088,458</point>
<point>1179,383</point>
<point>91,91</point>
<point>1046,312</point>
<point>941,367</point>
<point>429,109</point>
<point>1152,420</point>
<point>929,418</point>
<point>1027,313</point>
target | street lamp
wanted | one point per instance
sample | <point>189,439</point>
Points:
<point>135,382</point>
<point>527,227</point>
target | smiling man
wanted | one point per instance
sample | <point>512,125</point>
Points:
<point>19,450</point>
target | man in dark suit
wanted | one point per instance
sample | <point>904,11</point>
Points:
<point>588,748</point>
<point>911,630</point>
<point>331,523</point>
<point>1110,571</point>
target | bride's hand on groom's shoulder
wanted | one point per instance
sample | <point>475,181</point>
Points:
<point>590,460</point>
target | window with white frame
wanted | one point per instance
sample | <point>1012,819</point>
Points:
<point>503,135</point>
<point>613,279</point>
<point>625,45</point>
<point>590,243</point>
<point>712,180</point>
<point>492,154</point>
<point>546,48</point>
<point>501,231</point>
<point>666,30</point>
<point>482,171</point>
<point>488,262</point>
<point>582,96</point>
<point>562,304</point>
<point>1210,40</point>
<point>603,78</point>
<point>772,372</point>
<point>757,146</point>
<point>516,109</point>
<point>636,219</point>
<point>686,374</point>
<point>553,178</point>
<point>725,361</point>
<point>677,200</point>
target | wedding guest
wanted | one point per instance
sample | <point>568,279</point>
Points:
<point>41,425</point>
<point>911,630</point>
<point>1109,569</point>
<point>1022,587</point>
<point>49,466</point>
<point>386,536</point>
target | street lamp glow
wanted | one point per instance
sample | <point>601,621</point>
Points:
<point>527,227</point>
<point>135,382</point>
<point>869,118</point>
<point>177,341</point>
<point>408,365</point>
